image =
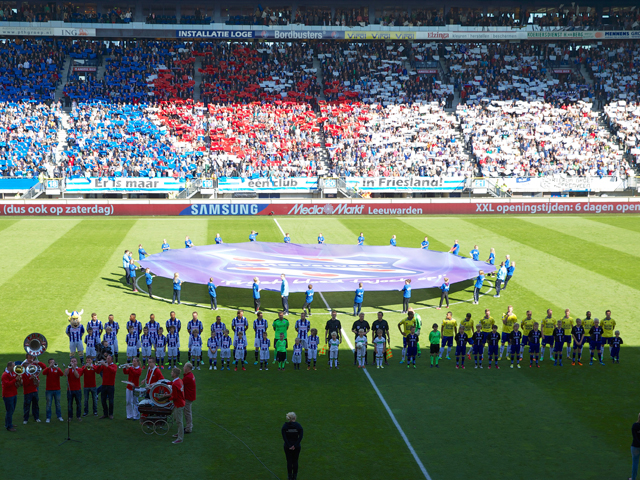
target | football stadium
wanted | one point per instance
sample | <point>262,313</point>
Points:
<point>315,239</point>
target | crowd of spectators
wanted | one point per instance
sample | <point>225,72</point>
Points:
<point>398,140</point>
<point>624,120</point>
<point>28,138</point>
<point>516,138</point>
<point>262,16</point>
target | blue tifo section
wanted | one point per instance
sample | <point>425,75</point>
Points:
<point>12,184</point>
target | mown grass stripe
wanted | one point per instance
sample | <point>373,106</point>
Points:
<point>630,222</point>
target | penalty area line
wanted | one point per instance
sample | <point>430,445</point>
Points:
<point>384,403</point>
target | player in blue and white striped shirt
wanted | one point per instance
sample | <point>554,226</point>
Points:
<point>240,325</point>
<point>239,349</point>
<point>265,344</point>
<point>296,358</point>
<point>260,325</point>
<point>174,322</point>
<point>146,342</point>
<point>195,347</point>
<point>312,348</point>
<point>225,350</point>
<point>153,326</point>
<point>173,346</point>
<point>75,341</point>
<point>303,326</point>
<point>91,339</point>
<point>133,344</point>
<point>95,324</point>
<point>195,323</point>
<point>212,350</point>
<point>160,344</point>
<point>113,340</point>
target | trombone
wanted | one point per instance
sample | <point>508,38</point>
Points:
<point>125,365</point>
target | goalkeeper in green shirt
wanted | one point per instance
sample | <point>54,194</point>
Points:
<point>280,326</point>
<point>434,340</point>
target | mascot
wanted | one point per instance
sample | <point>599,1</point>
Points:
<point>75,332</point>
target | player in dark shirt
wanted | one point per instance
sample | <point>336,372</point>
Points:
<point>577,332</point>
<point>382,324</point>
<point>515,340</point>
<point>461,342</point>
<point>478,345</point>
<point>615,347</point>
<point>558,342</point>
<point>333,325</point>
<point>596,340</point>
<point>493,342</point>
<point>535,336</point>
<point>361,323</point>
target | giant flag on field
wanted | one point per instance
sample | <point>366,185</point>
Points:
<point>330,268</point>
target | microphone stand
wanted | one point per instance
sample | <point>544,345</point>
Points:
<point>69,418</point>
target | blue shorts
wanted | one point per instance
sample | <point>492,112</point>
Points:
<point>593,345</point>
<point>557,347</point>
<point>447,341</point>
<point>506,337</point>
<point>576,346</point>
<point>493,350</point>
<point>460,350</point>
<point>478,349</point>
<point>607,340</point>
<point>525,340</point>
<point>615,351</point>
<point>534,348</point>
<point>587,339</point>
<point>412,351</point>
<point>515,349</point>
<point>484,336</point>
<point>567,339</point>
<point>404,342</point>
<point>547,340</point>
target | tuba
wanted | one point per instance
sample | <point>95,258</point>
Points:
<point>18,369</point>
<point>35,344</point>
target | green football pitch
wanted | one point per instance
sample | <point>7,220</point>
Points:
<point>564,423</point>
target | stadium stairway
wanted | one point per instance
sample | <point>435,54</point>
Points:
<point>102,68</point>
<point>63,79</point>
<point>197,77</point>
<point>318,67</point>
<point>62,136</point>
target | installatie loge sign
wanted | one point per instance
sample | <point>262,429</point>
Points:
<point>170,208</point>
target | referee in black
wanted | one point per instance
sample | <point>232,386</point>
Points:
<point>381,324</point>
<point>361,323</point>
<point>333,325</point>
<point>292,435</point>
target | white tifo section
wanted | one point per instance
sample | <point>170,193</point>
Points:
<point>375,387</point>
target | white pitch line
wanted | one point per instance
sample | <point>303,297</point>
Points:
<point>275,220</point>
<point>384,402</point>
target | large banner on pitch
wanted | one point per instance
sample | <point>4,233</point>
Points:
<point>329,267</point>
<point>124,184</point>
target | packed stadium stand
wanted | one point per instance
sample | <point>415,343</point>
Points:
<point>212,108</point>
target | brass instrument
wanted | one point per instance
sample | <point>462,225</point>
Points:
<point>33,370</point>
<point>35,344</point>
<point>125,365</point>
<point>88,367</point>
<point>18,369</point>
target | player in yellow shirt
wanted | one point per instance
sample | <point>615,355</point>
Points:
<point>608,325</point>
<point>567,324</point>
<point>509,319</point>
<point>468,325</point>
<point>405,329</point>
<point>525,327</point>
<point>487,323</point>
<point>548,325</point>
<point>449,329</point>
<point>587,323</point>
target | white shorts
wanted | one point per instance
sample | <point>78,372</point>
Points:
<point>225,353</point>
<point>172,351</point>
<point>145,351</point>
<point>303,342</point>
<point>361,350</point>
<point>379,352</point>
<point>313,354</point>
<point>212,355</point>
<point>91,351</point>
<point>264,354</point>
<point>333,353</point>
<point>239,353</point>
<point>256,342</point>
<point>131,352</point>
<point>160,353</point>
<point>196,351</point>
<point>76,347</point>
<point>296,358</point>
<point>114,346</point>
